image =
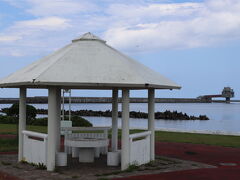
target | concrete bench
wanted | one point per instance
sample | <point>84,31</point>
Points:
<point>85,132</point>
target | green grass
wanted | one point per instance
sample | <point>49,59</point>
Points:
<point>217,140</point>
<point>12,128</point>
<point>209,139</point>
<point>41,129</point>
<point>8,145</point>
<point>8,128</point>
<point>11,144</point>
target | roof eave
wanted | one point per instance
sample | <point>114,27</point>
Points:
<point>171,87</point>
<point>87,85</point>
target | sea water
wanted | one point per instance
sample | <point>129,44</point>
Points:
<point>223,117</point>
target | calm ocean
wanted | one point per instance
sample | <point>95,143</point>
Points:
<point>223,117</point>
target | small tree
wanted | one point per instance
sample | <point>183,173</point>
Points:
<point>14,111</point>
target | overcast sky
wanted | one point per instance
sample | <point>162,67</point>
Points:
<point>194,43</point>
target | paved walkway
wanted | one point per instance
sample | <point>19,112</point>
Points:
<point>5,176</point>
<point>227,161</point>
<point>199,174</point>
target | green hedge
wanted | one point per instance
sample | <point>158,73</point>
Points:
<point>76,120</point>
<point>8,120</point>
<point>40,122</point>
<point>14,111</point>
<point>79,121</point>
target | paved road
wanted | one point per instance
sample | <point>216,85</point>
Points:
<point>227,161</point>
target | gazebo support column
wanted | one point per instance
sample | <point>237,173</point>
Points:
<point>151,121</point>
<point>58,123</point>
<point>22,121</point>
<point>114,120</point>
<point>54,108</point>
<point>125,154</point>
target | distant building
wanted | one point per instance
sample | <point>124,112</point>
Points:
<point>227,93</point>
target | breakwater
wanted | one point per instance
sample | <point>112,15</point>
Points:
<point>44,100</point>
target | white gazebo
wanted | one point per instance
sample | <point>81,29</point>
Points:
<point>87,63</point>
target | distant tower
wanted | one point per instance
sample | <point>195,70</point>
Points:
<point>228,93</point>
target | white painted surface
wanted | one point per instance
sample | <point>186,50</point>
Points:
<point>58,119</point>
<point>113,158</point>
<point>22,121</point>
<point>97,152</point>
<point>85,142</point>
<point>35,134</point>
<point>114,120</point>
<point>86,155</point>
<point>65,124</point>
<point>97,128</point>
<point>88,63</point>
<point>100,135</point>
<point>140,149</point>
<point>35,147</point>
<point>85,147</point>
<point>61,159</point>
<point>151,121</point>
<point>75,152</point>
<point>54,108</point>
<point>139,135</point>
<point>86,135</point>
<point>125,159</point>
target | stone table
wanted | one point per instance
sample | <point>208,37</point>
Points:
<point>86,147</point>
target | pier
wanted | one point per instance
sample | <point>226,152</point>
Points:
<point>227,93</point>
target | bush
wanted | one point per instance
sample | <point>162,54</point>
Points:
<point>76,121</point>
<point>40,122</point>
<point>8,120</point>
<point>79,121</point>
<point>14,111</point>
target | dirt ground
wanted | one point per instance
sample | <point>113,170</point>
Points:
<point>9,167</point>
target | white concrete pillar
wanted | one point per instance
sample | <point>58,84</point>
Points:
<point>125,153</point>
<point>22,121</point>
<point>151,121</point>
<point>58,123</point>
<point>114,120</point>
<point>54,107</point>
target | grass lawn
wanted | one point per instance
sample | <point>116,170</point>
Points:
<point>12,128</point>
<point>218,140</point>
<point>8,145</point>
<point>208,139</point>
<point>12,143</point>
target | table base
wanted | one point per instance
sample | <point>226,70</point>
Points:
<point>86,155</point>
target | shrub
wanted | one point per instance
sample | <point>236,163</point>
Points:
<point>40,122</point>
<point>79,121</point>
<point>76,121</point>
<point>14,111</point>
<point>8,120</point>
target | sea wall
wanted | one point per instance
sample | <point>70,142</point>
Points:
<point>44,100</point>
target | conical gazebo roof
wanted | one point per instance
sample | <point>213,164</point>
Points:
<point>88,62</point>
